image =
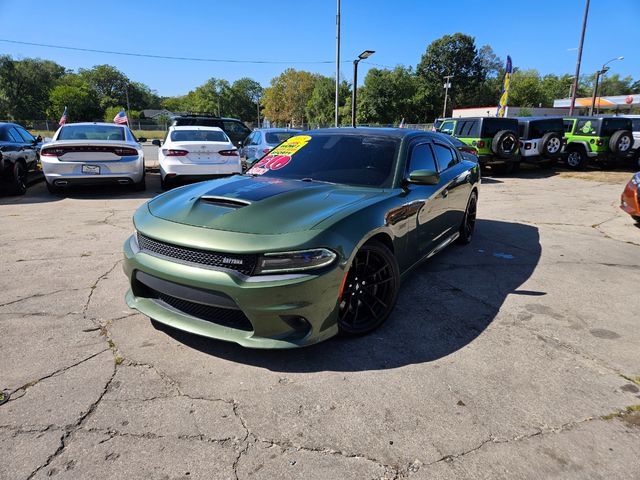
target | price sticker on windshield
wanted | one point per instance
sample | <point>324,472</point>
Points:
<point>279,156</point>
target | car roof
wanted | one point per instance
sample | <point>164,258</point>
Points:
<point>599,117</point>
<point>104,124</point>
<point>374,131</point>
<point>486,118</point>
<point>196,127</point>
<point>529,119</point>
<point>266,130</point>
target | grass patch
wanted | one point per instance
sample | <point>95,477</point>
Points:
<point>119,359</point>
<point>112,345</point>
<point>621,413</point>
<point>1,396</point>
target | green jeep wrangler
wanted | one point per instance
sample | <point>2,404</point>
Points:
<point>597,139</point>
<point>495,138</point>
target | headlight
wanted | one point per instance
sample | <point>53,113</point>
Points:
<point>295,261</point>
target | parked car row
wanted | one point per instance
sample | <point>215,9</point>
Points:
<point>503,143</point>
<point>19,154</point>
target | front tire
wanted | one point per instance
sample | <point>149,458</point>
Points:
<point>576,159</point>
<point>469,221</point>
<point>370,290</point>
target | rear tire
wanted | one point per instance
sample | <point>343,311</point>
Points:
<point>370,290</point>
<point>19,180</point>
<point>469,221</point>
<point>621,142</point>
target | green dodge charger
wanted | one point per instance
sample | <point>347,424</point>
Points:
<point>312,241</point>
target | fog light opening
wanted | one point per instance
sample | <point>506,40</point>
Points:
<point>300,324</point>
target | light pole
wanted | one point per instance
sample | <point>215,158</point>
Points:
<point>337,116</point>
<point>577,78</point>
<point>447,86</point>
<point>602,71</point>
<point>362,56</point>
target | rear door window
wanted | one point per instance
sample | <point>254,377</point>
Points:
<point>235,128</point>
<point>586,126</point>
<point>468,128</point>
<point>14,136</point>
<point>422,158</point>
<point>25,135</point>
<point>538,128</point>
<point>445,157</point>
<point>612,125</point>
<point>491,126</point>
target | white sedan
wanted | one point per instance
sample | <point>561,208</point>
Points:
<point>196,153</point>
<point>93,153</point>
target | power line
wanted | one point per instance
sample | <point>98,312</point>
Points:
<point>163,57</point>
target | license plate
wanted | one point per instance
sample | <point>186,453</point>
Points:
<point>92,169</point>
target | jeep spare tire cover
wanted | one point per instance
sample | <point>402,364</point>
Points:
<point>551,144</point>
<point>621,142</point>
<point>504,144</point>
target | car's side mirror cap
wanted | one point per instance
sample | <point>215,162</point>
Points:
<point>156,142</point>
<point>424,177</point>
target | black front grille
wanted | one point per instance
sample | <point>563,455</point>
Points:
<point>220,316</point>
<point>232,261</point>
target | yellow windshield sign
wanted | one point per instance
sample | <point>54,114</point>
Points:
<point>280,156</point>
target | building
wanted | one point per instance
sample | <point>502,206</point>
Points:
<point>509,112</point>
<point>620,104</point>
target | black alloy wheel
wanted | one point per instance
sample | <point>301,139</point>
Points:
<point>469,221</point>
<point>370,290</point>
<point>19,178</point>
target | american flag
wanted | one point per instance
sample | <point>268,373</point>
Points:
<point>63,118</point>
<point>121,118</point>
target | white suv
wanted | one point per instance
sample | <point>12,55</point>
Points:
<point>541,139</point>
<point>196,153</point>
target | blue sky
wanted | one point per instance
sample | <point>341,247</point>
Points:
<point>541,34</point>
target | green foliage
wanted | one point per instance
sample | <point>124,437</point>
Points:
<point>111,112</point>
<point>320,109</point>
<point>76,94</point>
<point>25,86</point>
<point>388,96</point>
<point>451,55</point>
<point>285,101</point>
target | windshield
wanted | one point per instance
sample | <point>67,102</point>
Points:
<point>91,132</point>
<point>198,136</point>
<point>275,138</point>
<point>363,160</point>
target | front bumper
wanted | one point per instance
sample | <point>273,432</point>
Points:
<point>272,304</point>
<point>56,171</point>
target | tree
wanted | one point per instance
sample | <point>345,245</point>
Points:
<point>614,85</point>
<point>388,96</point>
<point>526,89</point>
<point>25,86</point>
<point>75,94</point>
<point>454,55</point>
<point>320,109</point>
<point>109,83</point>
<point>286,99</point>
<point>244,97</point>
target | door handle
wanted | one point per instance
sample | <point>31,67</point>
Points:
<point>445,193</point>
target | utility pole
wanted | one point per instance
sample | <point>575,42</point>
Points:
<point>577,77</point>
<point>447,86</point>
<point>337,117</point>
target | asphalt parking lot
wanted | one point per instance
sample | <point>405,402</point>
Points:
<point>514,357</point>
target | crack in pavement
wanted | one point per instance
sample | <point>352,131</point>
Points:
<point>38,295</point>
<point>70,429</point>
<point>93,287</point>
<point>62,370</point>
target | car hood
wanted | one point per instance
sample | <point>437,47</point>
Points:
<point>256,204</point>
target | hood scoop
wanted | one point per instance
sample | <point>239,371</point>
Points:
<point>224,201</point>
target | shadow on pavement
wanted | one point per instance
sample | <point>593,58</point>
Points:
<point>443,306</point>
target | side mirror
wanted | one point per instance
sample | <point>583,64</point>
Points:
<point>239,143</point>
<point>424,177</point>
<point>142,139</point>
<point>156,142</point>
